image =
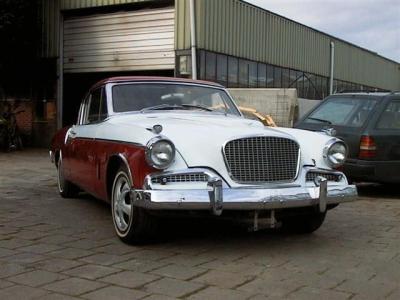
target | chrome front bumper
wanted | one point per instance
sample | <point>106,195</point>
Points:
<point>218,198</point>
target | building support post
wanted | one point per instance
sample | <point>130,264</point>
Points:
<point>332,68</point>
<point>193,38</point>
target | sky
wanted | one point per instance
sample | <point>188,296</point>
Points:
<point>371,24</point>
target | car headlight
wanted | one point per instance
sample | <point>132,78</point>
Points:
<point>160,153</point>
<point>335,153</point>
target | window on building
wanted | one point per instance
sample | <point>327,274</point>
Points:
<point>318,87</point>
<point>335,86</point>
<point>341,86</point>
<point>270,76</point>
<point>185,65</point>
<point>277,77</point>
<point>222,69</point>
<point>300,84</point>
<point>243,73</point>
<point>233,71</point>
<point>324,87</point>
<point>252,74</point>
<point>311,87</point>
<point>292,79</point>
<point>202,64</point>
<point>285,78</point>
<point>211,66</point>
<point>262,75</point>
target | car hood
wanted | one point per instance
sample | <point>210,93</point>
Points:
<point>199,137</point>
<point>189,130</point>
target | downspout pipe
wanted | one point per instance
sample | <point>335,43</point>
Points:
<point>193,38</point>
<point>332,68</point>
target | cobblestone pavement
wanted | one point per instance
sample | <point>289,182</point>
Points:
<point>54,248</point>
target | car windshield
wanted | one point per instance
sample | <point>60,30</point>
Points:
<point>165,96</point>
<point>351,112</point>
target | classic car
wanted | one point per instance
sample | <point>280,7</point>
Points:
<point>156,146</point>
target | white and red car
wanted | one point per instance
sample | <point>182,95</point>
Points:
<point>151,145</point>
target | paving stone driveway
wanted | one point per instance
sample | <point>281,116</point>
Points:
<point>54,248</point>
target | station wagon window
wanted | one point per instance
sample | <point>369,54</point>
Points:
<point>390,118</point>
<point>97,106</point>
<point>157,96</point>
<point>351,112</point>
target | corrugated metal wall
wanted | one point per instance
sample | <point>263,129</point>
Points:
<point>237,28</point>
<point>123,41</point>
<point>76,4</point>
<point>240,29</point>
<point>356,65</point>
<point>50,15</point>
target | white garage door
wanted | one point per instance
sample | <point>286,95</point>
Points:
<point>124,41</point>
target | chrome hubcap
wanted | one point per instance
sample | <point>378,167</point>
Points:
<point>121,204</point>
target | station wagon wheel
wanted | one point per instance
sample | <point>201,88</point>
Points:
<point>132,224</point>
<point>65,187</point>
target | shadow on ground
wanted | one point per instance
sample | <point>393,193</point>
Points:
<point>374,190</point>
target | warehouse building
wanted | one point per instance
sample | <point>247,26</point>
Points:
<point>234,43</point>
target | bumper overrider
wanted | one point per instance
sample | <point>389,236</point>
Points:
<point>217,197</point>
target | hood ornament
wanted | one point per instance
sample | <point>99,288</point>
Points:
<point>329,131</point>
<point>156,129</point>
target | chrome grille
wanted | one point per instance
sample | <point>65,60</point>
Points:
<point>329,176</point>
<point>191,177</point>
<point>262,159</point>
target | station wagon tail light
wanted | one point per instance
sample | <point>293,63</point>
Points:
<point>160,153</point>
<point>367,147</point>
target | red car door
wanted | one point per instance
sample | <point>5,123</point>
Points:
<point>82,145</point>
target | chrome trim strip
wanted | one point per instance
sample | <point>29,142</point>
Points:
<point>244,199</point>
<point>208,173</point>
<point>118,141</point>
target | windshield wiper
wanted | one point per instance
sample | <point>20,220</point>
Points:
<point>162,107</point>
<point>320,120</point>
<point>197,106</point>
<point>175,106</point>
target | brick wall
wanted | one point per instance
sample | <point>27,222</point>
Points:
<point>25,118</point>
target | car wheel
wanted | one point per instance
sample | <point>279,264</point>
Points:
<point>303,224</point>
<point>132,224</point>
<point>65,187</point>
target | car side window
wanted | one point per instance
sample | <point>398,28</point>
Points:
<point>103,105</point>
<point>97,110</point>
<point>390,118</point>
